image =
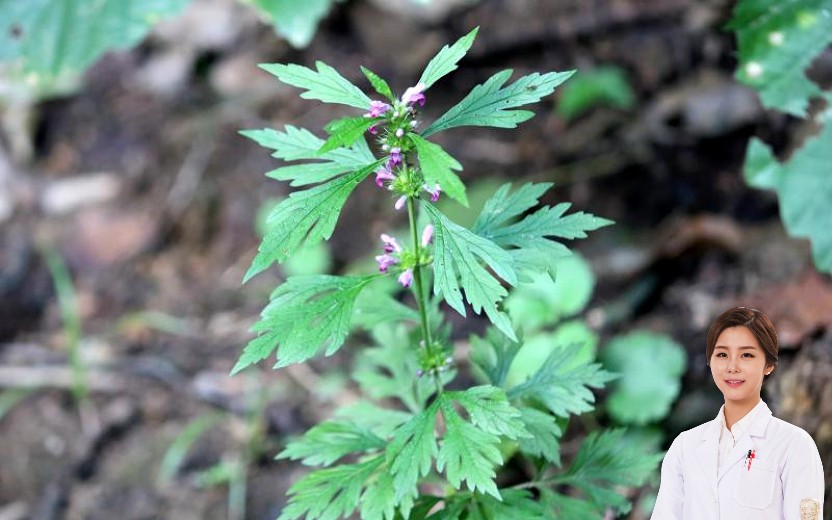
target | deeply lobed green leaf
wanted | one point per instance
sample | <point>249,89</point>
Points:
<point>544,438</point>
<point>489,410</point>
<point>562,384</point>
<point>530,240</point>
<point>457,255</point>
<point>329,441</point>
<point>491,104</point>
<point>438,167</point>
<point>505,205</point>
<point>468,453</point>
<point>381,421</point>
<point>377,305</point>
<point>378,83</point>
<point>446,59</point>
<point>346,131</point>
<point>306,314</point>
<point>306,217</point>
<point>381,371</point>
<point>324,84</point>
<point>516,504</point>
<point>300,144</point>
<point>331,493</point>
<point>558,506</point>
<point>494,355</point>
<point>379,500</point>
<point>410,454</point>
<point>606,462</point>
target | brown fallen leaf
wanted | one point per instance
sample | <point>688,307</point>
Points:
<point>798,308</point>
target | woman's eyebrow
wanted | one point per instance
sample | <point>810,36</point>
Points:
<point>744,347</point>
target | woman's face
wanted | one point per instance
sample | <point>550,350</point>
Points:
<point>738,365</point>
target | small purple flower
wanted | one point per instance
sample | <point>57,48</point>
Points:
<point>395,157</point>
<point>383,174</point>
<point>390,244</point>
<point>414,94</point>
<point>377,109</point>
<point>400,132</point>
<point>385,261</point>
<point>400,202</point>
<point>427,235</point>
<point>373,129</point>
<point>406,278</point>
<point>434,193</point>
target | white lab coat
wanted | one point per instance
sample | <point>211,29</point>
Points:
<point>785,470</point>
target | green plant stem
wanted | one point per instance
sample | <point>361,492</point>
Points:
<point>417,283</point>
<point>551,481</point>
<point>68,304</point>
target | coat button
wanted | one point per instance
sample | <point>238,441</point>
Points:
<point>712,498</point>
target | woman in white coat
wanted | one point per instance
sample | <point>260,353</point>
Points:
<point>744,464</point>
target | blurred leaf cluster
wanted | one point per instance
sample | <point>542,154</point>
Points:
<point>778,41</point>
<point>46,45</point>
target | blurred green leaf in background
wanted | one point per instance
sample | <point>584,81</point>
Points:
<point>777,42</point>
<point>606,85</point>
<point>294,20</point>
<point>650,366</point>
<point>46,45</point>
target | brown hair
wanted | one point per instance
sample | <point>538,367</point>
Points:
<point>755,321</point>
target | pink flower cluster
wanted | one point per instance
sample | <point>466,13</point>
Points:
<point>377,109</point>
<point>392,255</point>
<point>434,193</point>
<point>414,94</point>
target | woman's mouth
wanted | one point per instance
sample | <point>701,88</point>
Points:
<point>734,383</point>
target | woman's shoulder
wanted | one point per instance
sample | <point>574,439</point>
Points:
<point>792,432</point>
<point>694,435</point>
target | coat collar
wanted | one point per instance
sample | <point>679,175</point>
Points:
<point>708,448</point>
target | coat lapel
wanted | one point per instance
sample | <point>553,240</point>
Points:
<point>748,441</point>
<point>707,452</point>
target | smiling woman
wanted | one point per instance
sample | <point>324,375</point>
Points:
<point>745,463</point>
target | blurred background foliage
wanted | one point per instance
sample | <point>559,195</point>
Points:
<point>130,208</point>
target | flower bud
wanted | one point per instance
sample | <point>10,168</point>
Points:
<point>427,235</point>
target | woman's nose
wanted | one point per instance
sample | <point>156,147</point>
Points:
<point>732,365</point>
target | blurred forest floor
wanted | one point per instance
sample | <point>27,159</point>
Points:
<point>143,185</point>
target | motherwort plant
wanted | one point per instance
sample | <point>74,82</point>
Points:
<point>416,449</point>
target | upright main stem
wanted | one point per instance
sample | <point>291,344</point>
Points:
<point>417,276</point>
<point>417,283</point>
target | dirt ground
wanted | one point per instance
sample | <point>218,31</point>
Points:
<point>144,186</point>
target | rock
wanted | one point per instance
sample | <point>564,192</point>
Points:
<point>14,511</point>
<point>422,10</point>
<point>101,237</point>
<point>66,195</point>
<point>238,76</point>
<point>207,25</point>
<point>709,105</point>
<point>167,73</point>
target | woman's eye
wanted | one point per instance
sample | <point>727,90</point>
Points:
<point>722,354</point>
<point>749,354</point>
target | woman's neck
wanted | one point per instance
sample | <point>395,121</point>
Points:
<point>736,410</point>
